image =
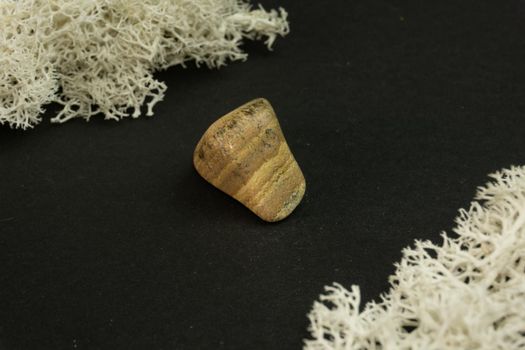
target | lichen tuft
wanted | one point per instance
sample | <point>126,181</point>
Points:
<point>98,57</point>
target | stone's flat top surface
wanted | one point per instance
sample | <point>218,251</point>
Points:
<point>245,154</point>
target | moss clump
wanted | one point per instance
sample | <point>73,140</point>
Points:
<point>99,56</point>
<point>466,293</point>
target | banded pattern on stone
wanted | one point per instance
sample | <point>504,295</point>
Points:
<point>245,155</point>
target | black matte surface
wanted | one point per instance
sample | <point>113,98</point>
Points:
<point>395,110</point>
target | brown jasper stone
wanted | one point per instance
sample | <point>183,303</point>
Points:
<point>246,155</point>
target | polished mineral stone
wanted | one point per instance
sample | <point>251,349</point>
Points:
<point>245,155</point>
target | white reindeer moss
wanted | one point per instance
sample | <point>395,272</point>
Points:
<point>98,56</point>
<point>466,293</point>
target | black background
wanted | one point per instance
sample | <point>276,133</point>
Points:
<point>395,110</point>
